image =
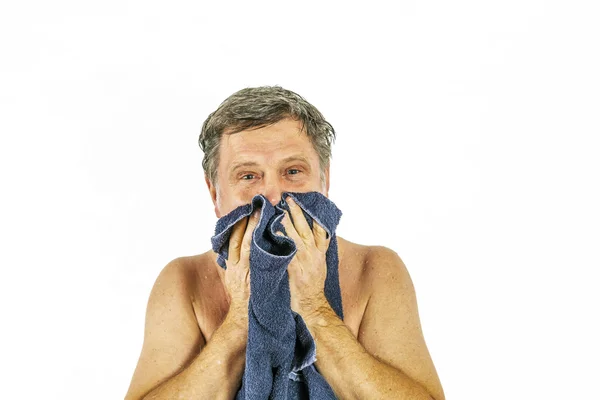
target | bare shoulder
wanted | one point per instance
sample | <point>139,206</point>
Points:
<point>352,255</point>
<point>171,334</point>
<point>177,274</point>
<point>376,265</point>
<point>189,267</point>
<point>199,272</point>
<point>363,271</point>
<point>391,328</point>
<point>387,276</point>
<point>182,277</point>
<point>384,266</point>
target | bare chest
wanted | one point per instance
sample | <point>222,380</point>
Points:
<point>211,305</point>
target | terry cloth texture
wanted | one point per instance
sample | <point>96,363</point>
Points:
<point>280,352</point>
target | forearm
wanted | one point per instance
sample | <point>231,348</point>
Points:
<point>350,370</point>
<point>215,373</point>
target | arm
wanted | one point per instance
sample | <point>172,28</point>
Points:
<point>173,338</point>
<point>390,358</point>
<point>169,365</point>
<point>215,373</point>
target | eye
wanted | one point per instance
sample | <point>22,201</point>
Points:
<point>244,176</point>
<point>293,169</point>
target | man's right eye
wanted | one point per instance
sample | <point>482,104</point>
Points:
<point>244,176</point>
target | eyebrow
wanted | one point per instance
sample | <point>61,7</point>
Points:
<point>236,166</point>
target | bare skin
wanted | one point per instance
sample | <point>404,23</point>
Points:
<point>208,275</point>
<point>196,321</point>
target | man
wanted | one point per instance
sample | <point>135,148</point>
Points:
<point>266,141</point>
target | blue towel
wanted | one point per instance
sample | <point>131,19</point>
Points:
<point>281,352</point>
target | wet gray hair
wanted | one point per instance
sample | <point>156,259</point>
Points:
<point>258,107</point>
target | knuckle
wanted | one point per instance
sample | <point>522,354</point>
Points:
<point>245,248</point>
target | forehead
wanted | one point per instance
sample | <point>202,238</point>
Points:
<point>267,144</point>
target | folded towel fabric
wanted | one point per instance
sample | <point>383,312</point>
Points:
<point>280,352</point>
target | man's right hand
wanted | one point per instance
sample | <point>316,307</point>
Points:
<point>237,274</point>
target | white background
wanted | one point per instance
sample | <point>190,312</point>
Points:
<point>467,142</point>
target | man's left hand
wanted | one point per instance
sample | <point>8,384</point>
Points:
<point>308,269</point>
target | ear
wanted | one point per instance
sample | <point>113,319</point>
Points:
<point>213,194</point>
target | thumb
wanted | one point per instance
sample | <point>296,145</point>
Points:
<point>279,233</point>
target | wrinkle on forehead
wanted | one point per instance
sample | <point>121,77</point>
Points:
<point>268,143</point>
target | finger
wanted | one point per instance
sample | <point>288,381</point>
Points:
<point>321,239</point>
<point>300,222</point>
<point>290,230</point>
<point>246,242</point>
<point>235,240</point>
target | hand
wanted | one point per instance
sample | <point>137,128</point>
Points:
<point>308,269</point>
<point>237,274</point>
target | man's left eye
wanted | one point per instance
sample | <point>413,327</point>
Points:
<point>294,170</point>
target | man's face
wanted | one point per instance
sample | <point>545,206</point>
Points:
<point>268,161</point>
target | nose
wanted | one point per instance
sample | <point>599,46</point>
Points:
<point>272,189</point>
